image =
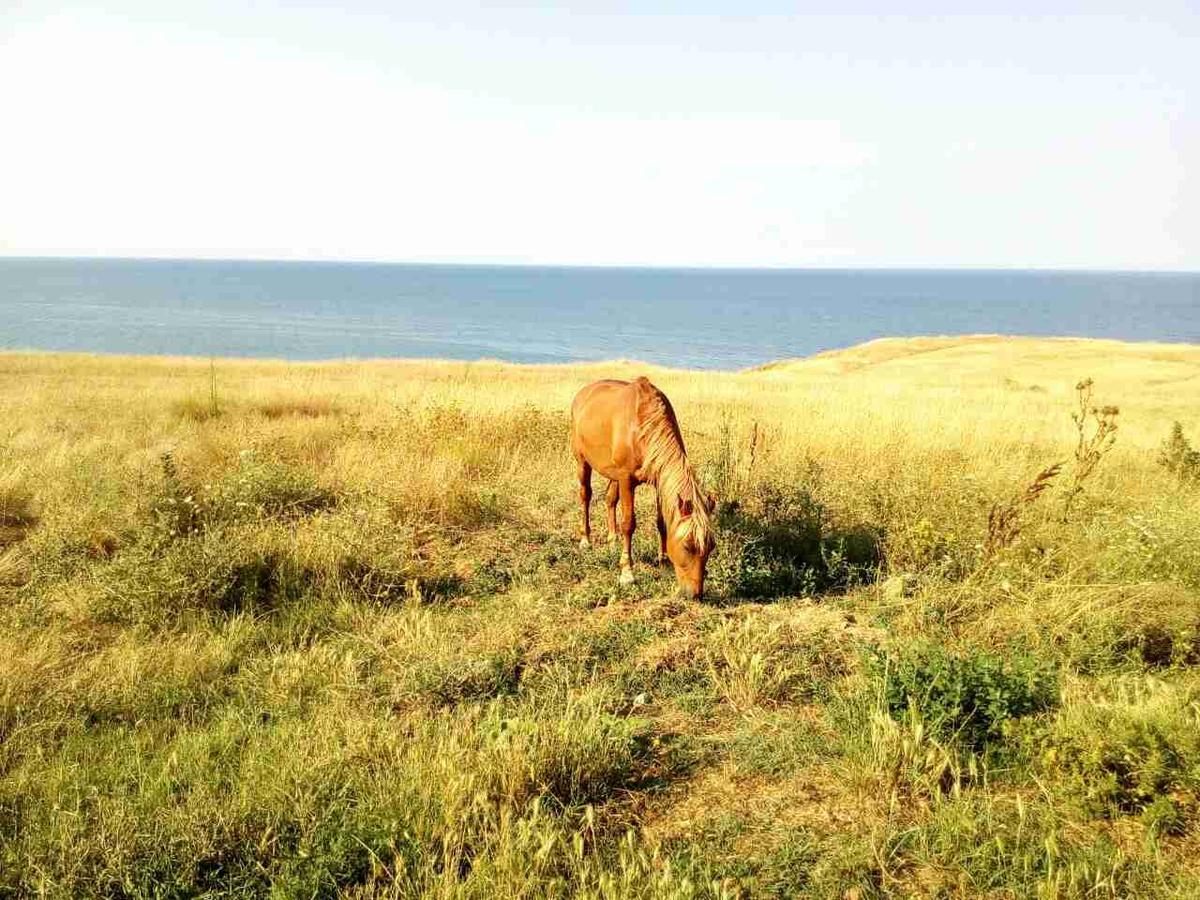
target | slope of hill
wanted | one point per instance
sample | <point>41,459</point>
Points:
<point>324,628</point>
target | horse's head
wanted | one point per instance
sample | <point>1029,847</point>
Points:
<point>689,544</point>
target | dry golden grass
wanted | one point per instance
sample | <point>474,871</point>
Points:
<point>322,628</point>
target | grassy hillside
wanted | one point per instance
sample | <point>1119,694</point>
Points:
<point>319,629</point>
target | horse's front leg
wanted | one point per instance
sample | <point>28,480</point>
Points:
<point>661,523</point>
<point>628,523</point>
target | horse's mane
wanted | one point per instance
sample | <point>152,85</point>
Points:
<point>665,463</point>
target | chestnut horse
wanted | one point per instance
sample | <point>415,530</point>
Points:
<point>627,431</point>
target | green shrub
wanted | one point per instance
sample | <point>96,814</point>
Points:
<point>965,696</point>
<point>1178,457</point>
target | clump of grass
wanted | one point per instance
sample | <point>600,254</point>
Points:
<point>18,513</point>
<point>256,489</point>
<point>362,556</point>
<point>1096,432</point>
<point>1150,629</point>
<point>732,470</point>
<point>777,743</point>
<point>1136,753</point>
<point>220,572</point>
<point>1156,544</point>
<point>775,541</point>
<point>264,488</point>
<point>911,757</point>
<point>1179,457</point>
<point>744,664</point>
<point>600,649</point>
<point>986,843</point>
<point>563,746</point>
<point>196,409</point>
<point>300,408</point>
<point>753,662</point>
<point>477,677</point>
<point>786,866</point>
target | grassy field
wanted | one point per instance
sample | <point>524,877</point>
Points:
<point>320,629</point>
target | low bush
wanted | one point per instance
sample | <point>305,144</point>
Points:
<point>965,696</point>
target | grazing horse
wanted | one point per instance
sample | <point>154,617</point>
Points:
<point>627,431</point>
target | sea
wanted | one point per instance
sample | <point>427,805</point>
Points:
<point>696,318</point>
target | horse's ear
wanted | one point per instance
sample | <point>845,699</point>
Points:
<point>685,507</point>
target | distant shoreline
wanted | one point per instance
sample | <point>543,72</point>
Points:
<point>900,347</point>
<point>602,267</point>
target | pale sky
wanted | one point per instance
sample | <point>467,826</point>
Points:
<point>701,134</point>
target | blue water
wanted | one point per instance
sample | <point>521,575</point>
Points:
<point>723,319</point>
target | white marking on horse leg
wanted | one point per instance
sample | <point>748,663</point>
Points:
<point>626,569</point>
<point>584,544</point>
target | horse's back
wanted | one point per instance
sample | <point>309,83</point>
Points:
<point>610,391</point>
<point>602,390</point>
<point>603,424</point>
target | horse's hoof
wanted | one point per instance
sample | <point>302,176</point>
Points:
<point>585,544</point>
<point>626,576</point>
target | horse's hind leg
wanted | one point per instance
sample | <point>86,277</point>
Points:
<point>611,496</point>
<point>585,501</point>
<point>628,522</point>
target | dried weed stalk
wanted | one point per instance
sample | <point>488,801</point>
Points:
<point>1097,432</point>
<point>1004,519</point>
